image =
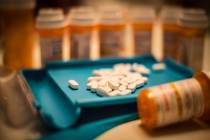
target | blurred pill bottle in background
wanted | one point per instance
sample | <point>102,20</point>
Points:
<point>51,27</point>
<point>175,102</point>
<point>111,31</point>
<point>142,20</point>
<point>193,25</point>
<point>169,20</point>
<point>82,24</point>
<point>18,33</point>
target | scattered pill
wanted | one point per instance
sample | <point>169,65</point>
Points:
<point>158,67</point>
<point>73,84</point>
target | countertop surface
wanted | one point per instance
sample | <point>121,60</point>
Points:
<point>191,130</point>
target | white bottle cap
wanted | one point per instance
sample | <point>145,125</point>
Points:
<point>17,4</point>
<point>50,18</point>
<point>82,16</point>
<point>142,14</point>
<point>111,15</point>
<point>193,18</point>
<point>170,14</point>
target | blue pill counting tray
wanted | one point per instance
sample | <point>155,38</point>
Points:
<point>62,107</point>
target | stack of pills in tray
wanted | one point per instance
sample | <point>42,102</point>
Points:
<point>122,79</point>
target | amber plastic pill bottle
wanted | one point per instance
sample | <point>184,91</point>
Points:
<point>51,27</point>
<point>17,21</point>
<point>111,32</point>
<point>82,25</point>
<point>175,102</point>
<point>142,20</point>
<point>169,17</point>
<point>193,25</point>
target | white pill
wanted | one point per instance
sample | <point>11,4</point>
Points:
<point>141,69</point>
<point>145,79</point>
<point>103,91</point>
<point>125,92</point>
<point>107,89</point>
<point>91,83</point>
<point>122,83</point>
<point>132,86</point>
<point>94,78</point>
<point>73,84</point>
<point>96,73</point>
<point>114,93</point>
<point>132,80</point>
<point>103,82</point>
<point>158,67</point>
<point>88,86</point>
<point>94,86</point>
<point>122,66</point>
<point>113,84</point>
<point>122,88</point>
<point>139,83</point>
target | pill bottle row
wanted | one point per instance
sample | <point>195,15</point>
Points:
<point>183,32</point>
<point>82,22</point>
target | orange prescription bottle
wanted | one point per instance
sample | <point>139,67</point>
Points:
<point>193,26</point>
<point>82,24</point>
<point>111,32</point>
<point>142,19</point>
<point>175,102</point>
<point>169,18</point>
<point>18,33</point>
<point>52,28</point>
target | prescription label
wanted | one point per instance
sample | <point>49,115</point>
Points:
<point>111,43</point>
<point>142,40</point>
<point>170,45</point>
<point>80,45</point>
<point>51,48</point>
<point>191,47</point>
<point>178,101</point>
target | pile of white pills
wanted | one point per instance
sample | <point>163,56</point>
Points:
<point>122,79</point>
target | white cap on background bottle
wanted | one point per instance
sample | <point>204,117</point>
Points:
<point>193,18</point>
<point>50,18</point>
<point>170,14</point>
<point>82,15</point>
<point>111,15</point>
<point>142,14</point>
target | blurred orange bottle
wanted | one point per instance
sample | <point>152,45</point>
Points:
<point>193,25</point>
<point>111,32</point>
<point>82,24</point>
<point>18,32</point>
<point>142,19</point>
<point>175,102</point>
<point>52,28</point>
<point>169,17</point>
